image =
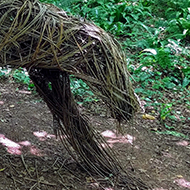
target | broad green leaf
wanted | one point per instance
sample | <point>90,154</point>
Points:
<point>186,81</point>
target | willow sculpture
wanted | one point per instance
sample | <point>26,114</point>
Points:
<point>52,45</point>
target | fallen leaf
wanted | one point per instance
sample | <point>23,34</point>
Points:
<point>154,129</point>
<point>147,116</point>
<point>142,170</point>
<point>179,176</point>
<point>89,179</point>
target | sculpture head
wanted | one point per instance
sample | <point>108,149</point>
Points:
<point>33,35</point>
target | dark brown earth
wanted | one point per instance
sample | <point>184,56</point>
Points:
<point>32,158</point>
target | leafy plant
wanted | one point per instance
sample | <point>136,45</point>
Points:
<point>59,3</point>
<point>21,76</point>
<point>117,17</point>
<point>165,110</point>
<point>169,9</point>
<point>3,73</point>
<point>173,133</point>
<point>81,91</point>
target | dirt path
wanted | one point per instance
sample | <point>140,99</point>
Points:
<point>32,158</point>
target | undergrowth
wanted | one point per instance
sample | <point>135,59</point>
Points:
<point>155,35</point>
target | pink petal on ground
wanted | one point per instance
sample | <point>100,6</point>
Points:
<point>122,139</point>
<point>25,143</point>
<point>14,150</point>
<point>9,143</point>
<point>2,136</point>
<point>35,151</point>
<point>40,134</point>
<point>182,182</point>
<point>111,141</point>
<point>130,139</point>
<point>1,102</point>
<point>50,136</point>
<point>42,139</point>
<point>109,133</point>
<point>183,143</point>
<point>12,147</point>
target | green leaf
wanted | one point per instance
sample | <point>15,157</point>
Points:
<point>173,133</point>
<point>2,169</point>
<point>168,127</point>
<point>186,81</point>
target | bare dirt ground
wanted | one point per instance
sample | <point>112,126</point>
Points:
<point>32,158</point>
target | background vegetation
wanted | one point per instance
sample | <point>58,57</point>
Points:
<point>155,35</point>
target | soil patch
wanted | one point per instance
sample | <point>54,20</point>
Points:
<point>31,157</point>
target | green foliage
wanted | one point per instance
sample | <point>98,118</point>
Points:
<point>173,133</point>
<point>21,76</point>
<point>59,3</point>
<point>165,110</point>
<point>169,9</point>
<point>81,91</point>
<point>170,70</point>
<point>135,22</point>
<point>155,32</point>
<point>3,73</point>
<point>117,17</point>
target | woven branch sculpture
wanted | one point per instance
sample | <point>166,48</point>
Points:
<point>52,45</point>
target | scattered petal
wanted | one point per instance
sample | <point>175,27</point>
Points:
<point>108,133</point>
<point>183,143</point>
<point>35,151</point>
<point>24,92</point>
<point>40,134</point>
<point>182,182</point>
<point>12,147</point>
<point>25,143</point>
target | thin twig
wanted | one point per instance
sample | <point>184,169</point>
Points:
<point>43,182</point>
<point>33,186</point>
<point>22,158</point>
<point>63,184</point>
<point>13,179</point>
<point>55,162</point>
<point>38,181</point>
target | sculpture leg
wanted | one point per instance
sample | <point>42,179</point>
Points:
<point>54,87</point>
